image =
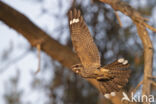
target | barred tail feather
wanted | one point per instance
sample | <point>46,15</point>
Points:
<point>117,77</point>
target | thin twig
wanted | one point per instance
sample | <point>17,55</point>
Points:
<point>149,27</point>
<point>39,58</point>
<point>152,77</point>
<point>139,84</point>
<point>153,83</point>
<point>118,18</point>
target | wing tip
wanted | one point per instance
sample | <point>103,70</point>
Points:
<point>122,61</point>
<point>74,16</point>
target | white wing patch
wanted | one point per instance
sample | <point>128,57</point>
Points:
<point>107,96</point>
<point>74,21</point>
<point>123,61</point>
<point>113,94</point>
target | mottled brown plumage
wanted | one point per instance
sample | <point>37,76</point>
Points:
<point>111,77</point>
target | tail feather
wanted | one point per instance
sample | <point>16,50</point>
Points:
<point>113,86</point>
<point>118,64</point>
<point>119,73</point>
<point>121,82</point>
<point>117,67</point>
<point>117,76</point>
<point>107,86</point>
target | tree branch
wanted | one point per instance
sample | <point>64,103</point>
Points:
<point>142,32</point>
<point>64,54</point>
<point>33,34</point>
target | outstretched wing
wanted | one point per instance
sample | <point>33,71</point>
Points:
<point>82,41</point>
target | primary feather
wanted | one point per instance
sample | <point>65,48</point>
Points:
<point>82,41</point>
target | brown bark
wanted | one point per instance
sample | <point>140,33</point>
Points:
<point>64,54</point>
<point>32,33</point>
<point>126,9</point>
<point>148,59</point>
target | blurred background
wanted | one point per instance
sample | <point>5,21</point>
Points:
<point>55,84</point>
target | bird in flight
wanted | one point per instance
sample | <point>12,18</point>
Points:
<point>112,77</point>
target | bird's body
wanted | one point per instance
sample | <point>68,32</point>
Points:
<point>111,77</point>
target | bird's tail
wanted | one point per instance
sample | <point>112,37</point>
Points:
<point>116,76</point>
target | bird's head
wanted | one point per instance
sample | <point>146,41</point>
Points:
<point>77,68</point>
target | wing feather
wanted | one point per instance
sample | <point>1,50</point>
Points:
<point>82,41</point>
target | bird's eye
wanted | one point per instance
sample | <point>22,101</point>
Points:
<point>77,70</point>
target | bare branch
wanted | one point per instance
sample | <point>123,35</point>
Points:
<point>35,35</point>
<point>152,77</point>
<point>135,89</point>
<point>125,8</point>
<point>148,57</point>
<point>63,53</point>
<point>118,18</point>
<point>153,83</point>
<point>39,57</point>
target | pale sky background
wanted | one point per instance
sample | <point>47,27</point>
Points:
<point>28,64</point>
